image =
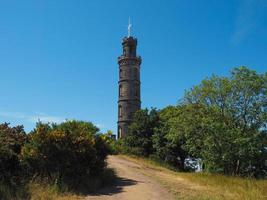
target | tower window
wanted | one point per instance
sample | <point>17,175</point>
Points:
<point>130,115</point>
<point>136,90</point>
<point>120,73</point>
<point>120,111</point>
<point>119,132</point>
<point>120,90</point>
<point>135,73</point>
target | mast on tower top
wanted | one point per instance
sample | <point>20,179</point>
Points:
<point>129,28</point>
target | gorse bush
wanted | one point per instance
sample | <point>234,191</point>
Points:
<point>70,156</point>
<point>67,154</point>
<point>114,146</point>
<point>11,142</point>
<point>12,174</point>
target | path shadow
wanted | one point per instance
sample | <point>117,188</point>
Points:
<point>116,187</point>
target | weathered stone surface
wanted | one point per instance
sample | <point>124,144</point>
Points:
<point>129,85</point>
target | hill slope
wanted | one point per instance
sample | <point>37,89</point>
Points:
<point>142,179</point>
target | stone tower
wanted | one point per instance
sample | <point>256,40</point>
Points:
<point>129,84</point>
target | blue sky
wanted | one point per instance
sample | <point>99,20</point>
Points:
<point>58,59</point>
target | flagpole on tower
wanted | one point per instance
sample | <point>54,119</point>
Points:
<point>129,28</point>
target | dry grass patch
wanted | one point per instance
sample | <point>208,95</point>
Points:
<point>226,187</point>
<point>202,186</point>
<point>48,192</point>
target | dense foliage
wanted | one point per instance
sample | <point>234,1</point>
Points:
<point>141,131</point>
<point>70,155</point>
<point>12,174</point>
<point>222,121</point>
<point>11,142</point>
<point>114,146</point>
<point>230,133</point>
<point>167,148</point>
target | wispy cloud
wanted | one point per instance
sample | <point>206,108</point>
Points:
<point>98,125</point>
<point>249,17</point>
<point>32,118</point>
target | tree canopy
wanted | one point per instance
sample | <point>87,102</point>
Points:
<point>222,121</point>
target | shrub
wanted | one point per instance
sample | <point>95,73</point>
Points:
<point>68,154</point>
<point>13,177</point>
<point>114,146</point>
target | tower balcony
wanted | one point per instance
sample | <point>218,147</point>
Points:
<point>126,79</point>
<point>129,60</point>
<point>129,99</point>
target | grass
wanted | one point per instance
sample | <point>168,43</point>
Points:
<point>35,191</point>
<point>38,190</point>
<point>203,186</point>
<point>237,187</point>
<point>226,187</point>
<point>49,192</point>
<point>8,191</point>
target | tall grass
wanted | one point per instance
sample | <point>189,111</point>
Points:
<point>35,191</point>
<point>8,192</point>
<point>50,192</point>
<point>39,189</point>
<point>203,186</point>
<point>227,187</point>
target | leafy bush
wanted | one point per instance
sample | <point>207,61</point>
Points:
<point>114,146</point>
<point>69,154</point>
<point>11,142</point>
<point>13,176</point>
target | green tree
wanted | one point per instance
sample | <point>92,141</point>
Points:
<point>225,122</point>
<point>139,138</point>
<point>167,147</point>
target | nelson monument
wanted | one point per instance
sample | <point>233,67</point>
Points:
<point>129,83</point>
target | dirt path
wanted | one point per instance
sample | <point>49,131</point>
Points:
<point>140,179</point>
<point>134,183</point>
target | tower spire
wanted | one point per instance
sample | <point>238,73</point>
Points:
<point>129,27</point>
